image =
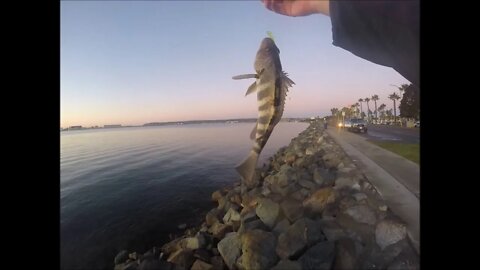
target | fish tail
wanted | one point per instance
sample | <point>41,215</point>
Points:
<point>247,168</point>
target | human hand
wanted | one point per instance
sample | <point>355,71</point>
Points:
<point>296,8</point>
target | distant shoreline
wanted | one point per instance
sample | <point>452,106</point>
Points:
<point>190,122</point>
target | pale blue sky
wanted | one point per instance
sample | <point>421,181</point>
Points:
<point>133,62</point>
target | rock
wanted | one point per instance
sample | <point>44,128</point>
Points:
<point>319,257</point>
<point>300,234</point>
<point>310,151</point>
<point>380,259</point>
<point>268,211</point>
<point>258,250</point>
<point>319,199</point>
<point>307,184</point>
<point>266,191</point>
<point>224,204</point>
<point>297,195</point>
<point>121,257</point>
<point>342,182</point>
<point>389,232</point>
<point>218,230</point>
<point>218,263</point>
<point>182,258</point>
<point>290,158</point>
<point>230,216</point>
<point>341,165</point>
<point>331,230</point>
<point>331,160</point>
<point>362,214</point>
<point>345,254</point>
<point>216,195</point>
<point>129,266</point>
<point>182,226</point>
<point>287,265</point>
<point>229,248</point>
<point>281,226</point>
<point>284,191</point>
<point>202,254</point>
<point>213,216</point>
<point>360,196</point>
<point>171,246</point>
<point>317,177</point>
<point>347,202</point>
<point>133,255</point>
<point>195,242</point>
<point>292,209</point>
<point>251,225</point>
<point>383,208</point>
<point>199,265</point>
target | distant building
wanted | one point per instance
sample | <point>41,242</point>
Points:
<point>75,127</point>
<point>112,126</point>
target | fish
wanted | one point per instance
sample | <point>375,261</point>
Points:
<point>271,84</point>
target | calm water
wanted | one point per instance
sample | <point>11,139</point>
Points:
<point>129,188</point>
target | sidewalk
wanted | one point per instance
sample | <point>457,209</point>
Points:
<point>395,178</point>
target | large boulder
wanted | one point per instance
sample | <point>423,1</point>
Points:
<point>182,258</point>
<point>268,210</point>
<point>229,248</point>
<point>258,249</point>
<point>389,232</point>
<point>287,265</point>
<point>304,232</point>
<point>319,199</point>
<point>319,257</point>
<point>292,209</point>
<point>362,214</point>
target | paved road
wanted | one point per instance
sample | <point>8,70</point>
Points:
<point>392,133</point>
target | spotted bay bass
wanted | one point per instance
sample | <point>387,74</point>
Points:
<point>271,85</point>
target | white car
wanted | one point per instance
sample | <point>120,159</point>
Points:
<point>417,124</point>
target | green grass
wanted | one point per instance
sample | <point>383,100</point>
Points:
<point>409,151</point>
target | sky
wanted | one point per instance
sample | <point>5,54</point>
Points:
<point>135,62</point>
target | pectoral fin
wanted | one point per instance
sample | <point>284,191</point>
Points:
<point>245,76</point>
<point>252,88</point>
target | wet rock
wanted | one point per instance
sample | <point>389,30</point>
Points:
<point>292,209</point>
<point>121,257</point>
<point>362,214</point>
<point>200,265</point>
<point>287,265</point>
<point>258,248</point>
<point>300,234</point>
<point>229,248</point>
<point>182,258</point>
<point>268,211</point>
<point>319,199</point>
<point>319,257</point>
<point>171,246</point>
<point>389,232</point>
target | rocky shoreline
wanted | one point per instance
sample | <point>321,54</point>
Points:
<point>310,207</point>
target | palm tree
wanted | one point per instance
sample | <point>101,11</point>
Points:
<point>389,114</point>
<point>394,97</point>
<point>361,108</point>
<point>368,108</point>
<point>381,109</point>
<point>334,111</point>
<point>375,98</point>
<point>356,109</point>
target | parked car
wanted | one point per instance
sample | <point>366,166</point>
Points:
<point>358,125</point>
<point>417,124</point>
